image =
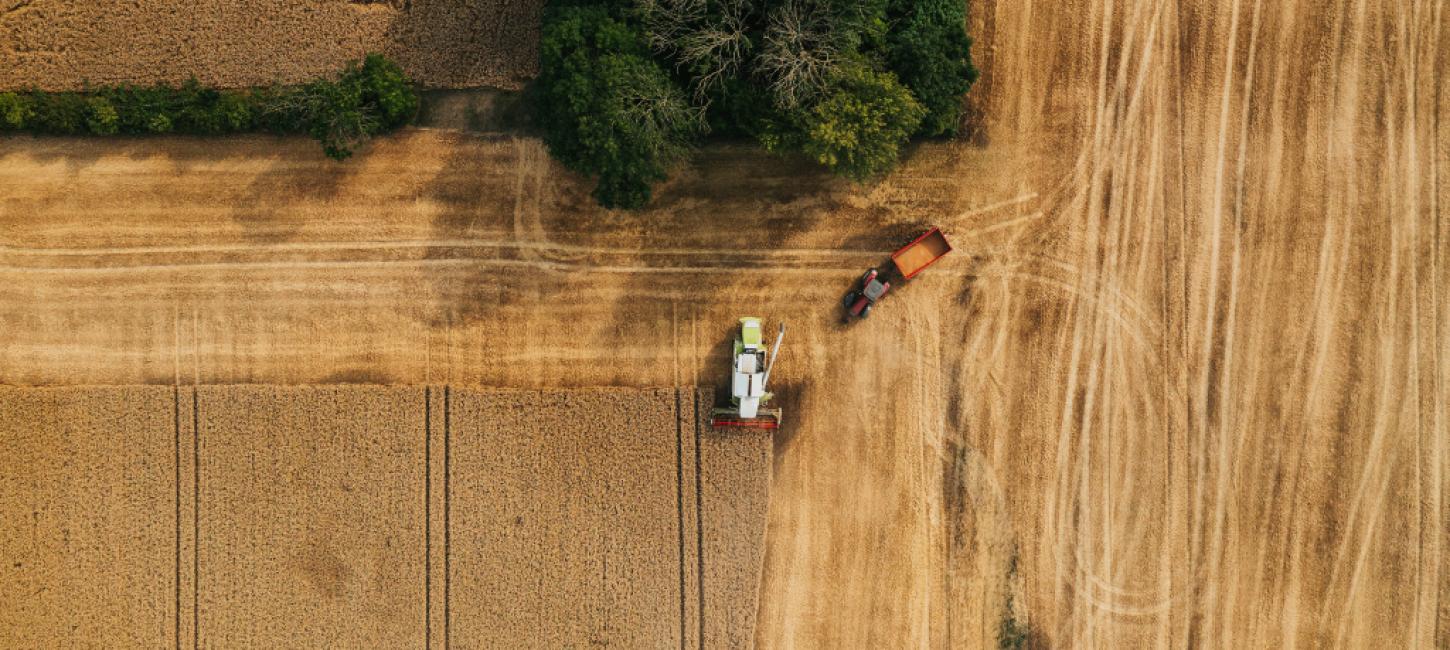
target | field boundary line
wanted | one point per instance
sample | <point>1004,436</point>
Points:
<point>427,517</point>
<point>447,556</point>
<point>195,520</point>
<point>699,526</point>
<point>176,465</point>
<point>680,507</point>
<point>547,265</point>
<point>41,251</point>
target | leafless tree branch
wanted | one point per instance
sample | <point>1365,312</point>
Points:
<point>799,51</point>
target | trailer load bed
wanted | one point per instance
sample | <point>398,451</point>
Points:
<point>921,252</point>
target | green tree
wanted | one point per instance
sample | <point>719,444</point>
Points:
<point>337,117</point>
<point>857,129</point>
<point>62,113</point>
<point>930,52</point>
<point>197,109</point>
<point>138,108</point>
<point>101,116</point>
<point>606,108</point>
<point>159,123</point>
<point>384,86</point>
<point>279,109</point>
<point>15,111</point>
<point>233,112</point>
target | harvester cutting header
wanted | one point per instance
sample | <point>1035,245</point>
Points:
<point>750,370</point>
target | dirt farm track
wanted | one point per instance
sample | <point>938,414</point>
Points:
<point>1184,381</point>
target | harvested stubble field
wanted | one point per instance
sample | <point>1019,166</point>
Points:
<point>368,516</point>
<point>62,44</point>
<point>1187,365</point>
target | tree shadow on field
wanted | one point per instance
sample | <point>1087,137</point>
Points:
<point>734,204</point>
<point>80,153</point>
<point>263,208</point>
<point>477,196</point>
<point>296,169</point>
<point>358,375</point>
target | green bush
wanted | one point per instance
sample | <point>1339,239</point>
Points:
<point>59,113</point>
<point>337,117</point>
<point>15,111</point>
<point>197,113</point>
<point>101,116</point>
<point>384,85</point>
<point>740,108</point>
<point>135,106</point>
<point>368,98</point>
<point>364,101</point>
<point>279,110</point>
<point>930,52</point>
<point>159,123</point>
<point>233,112</point>
<point>606,108</point>
<point>858,128</point>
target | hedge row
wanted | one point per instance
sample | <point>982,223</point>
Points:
<point>366,99</point>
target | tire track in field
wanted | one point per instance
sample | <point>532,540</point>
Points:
<point>1423,622</point>
<point>1375,475</point>
<point>460,243</point>
<point>1377,455</point>
<point>1329,283</point>
<point>1215,242</point>
<point>1119,112</point>
<point>1227,419</point>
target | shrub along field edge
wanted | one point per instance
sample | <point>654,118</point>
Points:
<point>367,98</point>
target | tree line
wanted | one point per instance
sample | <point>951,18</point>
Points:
<point>627,87</point>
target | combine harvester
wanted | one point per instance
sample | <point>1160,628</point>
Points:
<point>750,370</point>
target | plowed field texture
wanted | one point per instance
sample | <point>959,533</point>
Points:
<point>1184,380</point>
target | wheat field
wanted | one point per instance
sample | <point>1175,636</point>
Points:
<point>1181,384</point>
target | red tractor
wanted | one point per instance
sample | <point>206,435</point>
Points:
<point>859,301</point>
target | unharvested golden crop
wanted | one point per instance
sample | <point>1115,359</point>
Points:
<point>360,516</point>
<point>57,45</point>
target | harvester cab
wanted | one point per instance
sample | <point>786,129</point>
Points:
<point>749,372</point>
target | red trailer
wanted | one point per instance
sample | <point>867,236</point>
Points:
<point>921,252</point>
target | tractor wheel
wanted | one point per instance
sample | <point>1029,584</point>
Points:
<point>850,298</point>
<point>866,311</point>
